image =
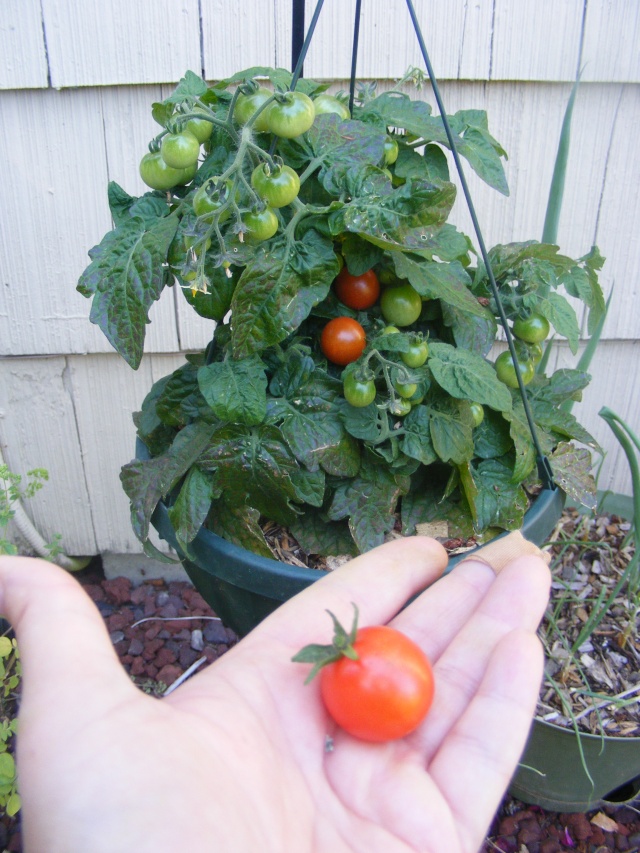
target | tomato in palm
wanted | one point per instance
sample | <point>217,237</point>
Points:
<point>416,355</point>
<point>325,104</point>
<point>247,105</point>
<point>180,150</point>
<point>343,340</point>
<point>390,151</point>
<point>292,115</point>
<point>506,371</point>
<point>358,392</point>
<point>357,291</point>
<point>278,187</point>
<point>531,329</point>
<point>260,225</point>
<point>157,175</point>
<point>385,693</point>
<point>401,305</point>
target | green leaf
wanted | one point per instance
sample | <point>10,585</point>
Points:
<point>500,502</point>
<point>125,277</point>
<point>239,524</point>
<point>317,535</point>
<point>572,471</point>
<point>309,486</point>
<point>402,220</point>
<point>360,255</point>
<point>447,282</point>
<point>583,284</point>
<point>146,481</point>
<point>451,431</point>
<point>416,441</point>
<point>343,459</point>
<point>562,317</point>
<point>190,86</point>
<point>119,202</point>
<point>492,438</point>
<point>212,299</point>
<point>293,371</point>
<point>14,804</point>
<point>432,165</point>
<point>468,376</point>
<point>564,384</point>
<point>180,401</point>
<point>476,334</point>
<point>525,451</point>
<point>425,503</point>
<point>236,390</point>
<point>7,769</point>
<point>341,146</point>
<point>6,647</point>
<point>253,466</point>
<point>368,501</point>
<point>189,512</point>
<point>278,289</point>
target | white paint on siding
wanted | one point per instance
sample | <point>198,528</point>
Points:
<point>23,60</point>
<point>612,31</point>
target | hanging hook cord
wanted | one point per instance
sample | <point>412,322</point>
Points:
<point>354,55</point>
<point>544,468</point>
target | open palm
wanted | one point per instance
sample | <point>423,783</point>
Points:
<point>236,759</point>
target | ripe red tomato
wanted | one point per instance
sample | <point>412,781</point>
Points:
<point>385,693</point>
<point>343,340</point>
<point>357,291</point>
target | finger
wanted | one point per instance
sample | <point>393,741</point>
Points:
<point>475,763</point>
<point>65,650</point>
<point>515,600</point>
<point>379,582</point>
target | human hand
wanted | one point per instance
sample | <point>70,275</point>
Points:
<point>234,759</point>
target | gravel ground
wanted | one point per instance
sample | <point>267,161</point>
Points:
<point>160,630</point>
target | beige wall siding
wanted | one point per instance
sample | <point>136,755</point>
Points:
<point>77,80</point>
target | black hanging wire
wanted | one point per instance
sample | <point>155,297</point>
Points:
<point>297,70</point>
<point>354,55</point>
<point>544,468</point>
<point>297,33</point>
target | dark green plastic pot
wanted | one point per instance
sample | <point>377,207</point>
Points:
<point>242,588</point>
<point>552,770</point>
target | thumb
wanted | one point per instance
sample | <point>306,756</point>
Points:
<point>66,654</point>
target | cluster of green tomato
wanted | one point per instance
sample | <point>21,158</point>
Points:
<point>529,333</point>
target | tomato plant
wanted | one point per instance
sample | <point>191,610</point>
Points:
<point>358,392</point>
<point>375,682</point>
<point>343,340</point>
<point>505,368</point>
<point>291,115</point>
<point>401,305</point>
<point>477,413</point>
<point>532,329</point>
<point>357,291</point>
<point>325,104</point>
<point>180,150</point>
<point>278,187</point>
<point>301,412</point>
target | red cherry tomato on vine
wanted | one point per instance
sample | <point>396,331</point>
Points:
<point>292,115</point>
<point>358,392</point>
<point>385,693</point>
<point>507,373</point>
<point>401,305</point>
<point>278,187</point>
<point>343,340</point>
<point>180,150</point>
<point>533,329</point>
<point>357,291</point>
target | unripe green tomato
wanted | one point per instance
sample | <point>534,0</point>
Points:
<point>210,197</point>
<point>400,407</point>
<point>291,116</point>
<point>401,306</point>
<point>157,175</point>
<point>390,151</point>
<point>417,354</point>
<point>358,392</point>
<point>247,105</point>
<point>406,389</point>
<point>199,127</point>
<point>532,329</point>
<point>180,150</point>
<point>325,104</point>
<point>507,373</point>
<point>477,412</point>
<point>260,225</point>
<point>278,188</point>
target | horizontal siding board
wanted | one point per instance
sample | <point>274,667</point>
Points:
<point>58,211</point>
<point>611,35</point>
<point>91,43</point>
<point>536,39</point>
<point>236,36</point>
<point>23,57</point>
<point>38,430</point>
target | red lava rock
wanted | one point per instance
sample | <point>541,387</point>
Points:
<point>136,648</point>
<point>120,621</point>
<point>551,846</point>
<point>94,591</point>
<point>168,674</point>
<point>151,648</point>
<point>118,590</point>
<point>530,831</point>
<point>164,657</point>
<point>152,632</point>
<point>140,594</point>
<point>137,666</point>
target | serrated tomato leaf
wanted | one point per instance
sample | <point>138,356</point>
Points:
<point>468,376</point>
<point>235,390</point>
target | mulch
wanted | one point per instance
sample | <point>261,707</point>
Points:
<point>161,630</point>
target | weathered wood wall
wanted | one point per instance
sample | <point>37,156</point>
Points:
<point>77,78</point>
